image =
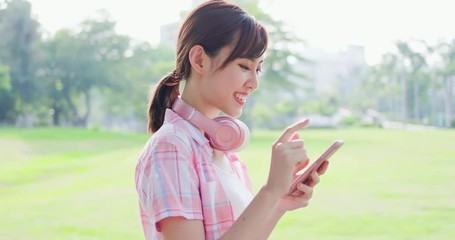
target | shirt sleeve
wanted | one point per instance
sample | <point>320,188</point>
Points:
<point>172,185</point>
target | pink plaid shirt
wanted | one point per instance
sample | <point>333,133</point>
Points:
<point>175,176</point>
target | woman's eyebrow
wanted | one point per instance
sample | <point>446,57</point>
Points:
<point>254,60</point>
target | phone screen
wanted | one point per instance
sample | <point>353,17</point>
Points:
<point>316,164</point>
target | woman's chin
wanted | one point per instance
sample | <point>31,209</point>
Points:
<point>235,114</point>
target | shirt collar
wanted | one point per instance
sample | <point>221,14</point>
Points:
<point>173,118</point>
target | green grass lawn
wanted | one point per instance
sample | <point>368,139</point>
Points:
<point>79,184</point>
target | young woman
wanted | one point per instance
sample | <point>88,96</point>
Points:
<point>190,183</point>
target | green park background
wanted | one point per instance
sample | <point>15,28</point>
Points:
<point>72,121</point>
<point>79,184</point>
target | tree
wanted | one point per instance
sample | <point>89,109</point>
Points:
<point>382,89</point>
<point>422,75</point>
<point>415,65</point>
<point>6,97</point>
<point>19,34</point>
<point>78,63</point>
<point>137,74</point>
<point>447,75</point>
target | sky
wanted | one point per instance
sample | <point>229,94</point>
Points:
<point>327,24</point>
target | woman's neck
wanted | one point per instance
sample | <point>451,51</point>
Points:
<point>191,94</point>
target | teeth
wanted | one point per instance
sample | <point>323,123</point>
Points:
<point>240,96</point>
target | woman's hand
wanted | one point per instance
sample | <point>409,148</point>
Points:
<point>288,155</point>
<point>304,192</point>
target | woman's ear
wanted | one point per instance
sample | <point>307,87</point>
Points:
<point>197,59</point>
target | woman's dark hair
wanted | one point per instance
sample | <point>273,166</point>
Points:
<point>213,25</point>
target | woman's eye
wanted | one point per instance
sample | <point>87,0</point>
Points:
<point>244,67</point>
<point>259,70</point>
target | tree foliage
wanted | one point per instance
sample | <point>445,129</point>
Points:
<point>413,84</point>
<point>6,96</point>
<point>76,63</point>
<point>19,35</point>
<point>91,74</point>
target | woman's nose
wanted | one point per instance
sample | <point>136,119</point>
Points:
<point>252,82</point>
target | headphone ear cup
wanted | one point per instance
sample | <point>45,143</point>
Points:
<point>246,135</point>
<point>230,136</point>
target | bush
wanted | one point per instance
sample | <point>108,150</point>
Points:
<point>350,121</point>
<point>356,121</point>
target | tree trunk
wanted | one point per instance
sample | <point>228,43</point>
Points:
<point>88,106</point>
<point>416,100</point>
<point>448,101</point>
<point>56,116</point>
<point>74,112</point>
<point>404,101</point>
<point>432,98</point>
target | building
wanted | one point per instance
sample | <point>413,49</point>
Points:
<point>338,72</point>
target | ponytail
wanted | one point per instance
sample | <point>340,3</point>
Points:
<point>162,97</point>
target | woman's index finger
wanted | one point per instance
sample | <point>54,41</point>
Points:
<point>289,131</point>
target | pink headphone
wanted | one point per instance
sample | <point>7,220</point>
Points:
<point>224,133</point>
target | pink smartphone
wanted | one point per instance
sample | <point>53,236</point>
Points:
<point>326,155</point>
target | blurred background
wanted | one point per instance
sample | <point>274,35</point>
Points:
<point>74,83</point>
<point>91,63</point>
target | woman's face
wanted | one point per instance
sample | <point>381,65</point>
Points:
<point>228,89</point>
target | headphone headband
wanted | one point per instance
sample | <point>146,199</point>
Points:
<point>224,133</point>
